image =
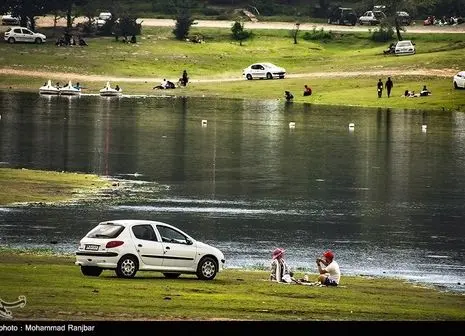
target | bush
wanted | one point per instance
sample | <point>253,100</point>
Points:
<point>319,34</point>
<point>383,33</point>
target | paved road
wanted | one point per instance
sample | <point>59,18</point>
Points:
<point>48,21</point>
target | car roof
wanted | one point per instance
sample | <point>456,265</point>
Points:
<point>129,222</point>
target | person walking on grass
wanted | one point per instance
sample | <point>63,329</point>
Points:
<point>380,88</point>
<point>389,85</point>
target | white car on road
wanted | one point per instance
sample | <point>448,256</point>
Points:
<point>263,70</point>
<point>23,34</point>
<point>459,80</point>
<point>127,246</point>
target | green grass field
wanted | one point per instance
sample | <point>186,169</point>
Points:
<point>56,290</point>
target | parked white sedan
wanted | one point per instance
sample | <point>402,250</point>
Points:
<point>23,34</point>
<point>263,70</point>
<point>405,47</point>
<point>127,246</point>
<point>459,80</point>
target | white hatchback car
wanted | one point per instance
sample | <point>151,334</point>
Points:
<point>263,70</point>
<point>405,47</point>
<point>129,245</point>
<point>23,34</point>
<point>459,80</point>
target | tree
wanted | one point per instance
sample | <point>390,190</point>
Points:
<point>411,6</point>
<point>295,31</point>
<point>184,19</point>
<point>238,32</point>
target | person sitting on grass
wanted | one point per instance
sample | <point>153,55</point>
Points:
<point>280,270</point>
<point>330,274</point>
<point>425,92</point>
<point>307,90</point>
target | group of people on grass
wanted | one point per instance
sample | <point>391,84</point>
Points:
<point>329,273</point>
<point>390,84</point>
<point>166,84</point>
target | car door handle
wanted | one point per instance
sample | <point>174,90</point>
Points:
<point>139,245</point>
<point>167,247</point>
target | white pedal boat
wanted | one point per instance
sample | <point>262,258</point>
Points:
<point>108,91</point>
<point>49,88</point>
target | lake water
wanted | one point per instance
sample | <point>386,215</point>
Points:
<point>387,195</point>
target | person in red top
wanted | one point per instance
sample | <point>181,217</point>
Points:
<point>307,90</point>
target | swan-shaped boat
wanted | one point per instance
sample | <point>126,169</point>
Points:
<point>108,91</point>
<point>70,90</point>
<point>49,89</point>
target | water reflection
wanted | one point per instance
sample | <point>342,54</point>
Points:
<point>386,194</point>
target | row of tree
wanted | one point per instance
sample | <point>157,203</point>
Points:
<point>183,10</point>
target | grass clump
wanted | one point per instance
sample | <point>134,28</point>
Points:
<point>24,185</point>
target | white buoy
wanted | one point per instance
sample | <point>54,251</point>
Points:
<point>351,125</point>
<point>423,128</point>
<point>204,122</point>
<point>292,124</point>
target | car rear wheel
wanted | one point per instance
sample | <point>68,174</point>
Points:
<point>127,267</point>
<point>249,76</point>
<point>38,40</point>
<point>172,275</point>
<point>91,270</point>
<point>207,269</point>
<point>269,76</point>
<point>11,40</point>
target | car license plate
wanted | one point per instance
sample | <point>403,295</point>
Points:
<point>92,247</point>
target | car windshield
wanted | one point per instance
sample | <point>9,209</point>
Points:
<point>269,65</point>
<point>106,230</point>
<point>404,44</point>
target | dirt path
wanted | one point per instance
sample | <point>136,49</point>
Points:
<point>47,21</point>
<point>96,78</point>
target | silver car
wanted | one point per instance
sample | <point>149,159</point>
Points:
<point>128,245</point>
<point>23,34</point>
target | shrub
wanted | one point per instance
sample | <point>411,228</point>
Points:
<point>319,34</point>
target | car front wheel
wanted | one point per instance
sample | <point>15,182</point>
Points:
<point>207,269</point>
<point>11,40</point>
<point>127,267</point>
<point>38,40</point>
<point>269,76</point>
<point>91,271</point>
<point>249,76</point>
<point>455,85</point>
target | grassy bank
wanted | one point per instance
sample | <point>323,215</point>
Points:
<point>24,185</point>
<point>56,290</point>
<point>341,71</point>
